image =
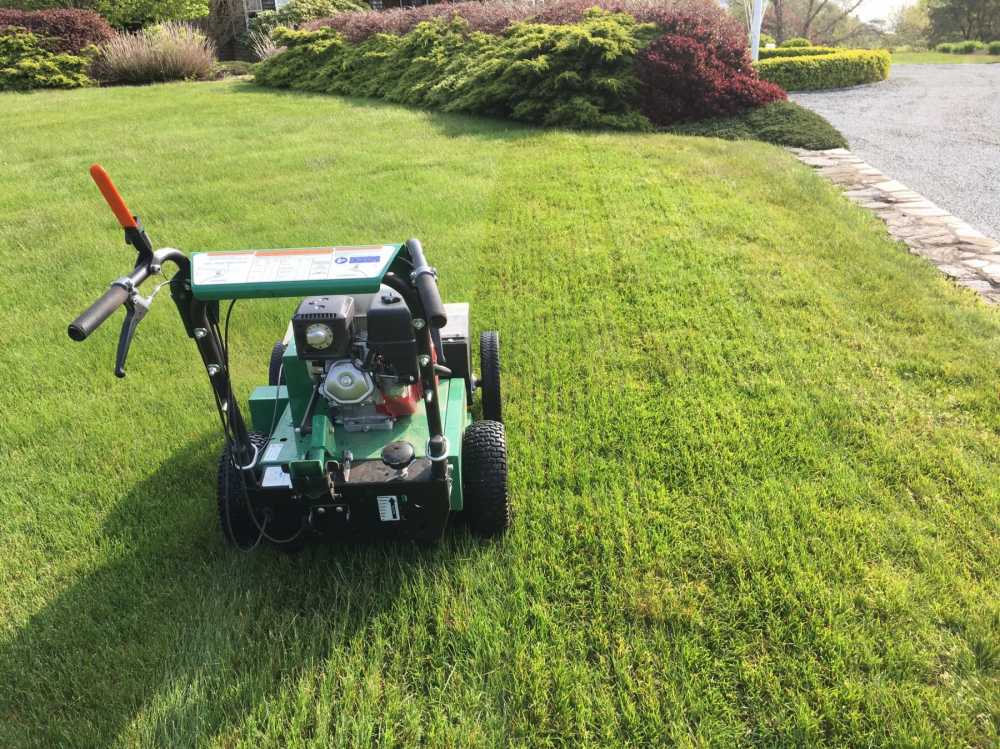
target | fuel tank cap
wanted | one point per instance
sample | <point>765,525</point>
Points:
<point>398,455</point>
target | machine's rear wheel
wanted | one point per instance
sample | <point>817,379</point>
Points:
<point>484,479</point>
<point>239,528</point>
<point>489,374</point>
<point>275,374</point>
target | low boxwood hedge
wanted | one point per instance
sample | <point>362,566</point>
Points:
<point>796,41</point>
<point>967,47</point>
<point>834,70</point>
<point>993,48</point>
<point>767,54</point>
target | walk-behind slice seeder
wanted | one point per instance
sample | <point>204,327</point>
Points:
<point>364,428</point>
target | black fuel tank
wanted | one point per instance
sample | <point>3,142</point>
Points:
<point>390,334</point>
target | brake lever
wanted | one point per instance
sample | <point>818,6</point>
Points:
<point>135,309</point>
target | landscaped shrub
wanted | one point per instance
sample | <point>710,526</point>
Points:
<point>298,12</point>
<point>767,54</point>
<point>836,70</point>
<point>26,64</point>
<point>946,47</point>
<point>689,72</point>
<point>993,48</point>
<point>766,39</point>
<point>134,13</point>
<point>796,41</point>
<point>64,30</point>
<point>574,75</point>
<point>967,47</point>
<point>569,65</point>
<point>497,17</point>
<point>167,52</point>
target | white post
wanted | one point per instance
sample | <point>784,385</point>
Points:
<point>755,23</point>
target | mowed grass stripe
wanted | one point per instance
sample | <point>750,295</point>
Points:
<point>754,448</point>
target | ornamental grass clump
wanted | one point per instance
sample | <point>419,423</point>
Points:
<point>167,52</point>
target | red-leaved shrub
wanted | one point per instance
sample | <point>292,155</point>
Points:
<point>62,30</point>
<point>698,68</point>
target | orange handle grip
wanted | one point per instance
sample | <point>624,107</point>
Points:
<point>110,193</point>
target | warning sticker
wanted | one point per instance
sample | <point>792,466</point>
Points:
<point>278,266</point>
<point>274,476</point>
<point>388,508</point>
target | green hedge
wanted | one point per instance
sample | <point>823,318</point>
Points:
<point>796,41</point>
<point>967,47</point>
<point>767,54</point>
<point>577,75</point>
<point>835,70</point>
<point>993,48</point>
<point>25,64</point>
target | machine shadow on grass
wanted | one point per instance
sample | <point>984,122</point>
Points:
<point>175,623</point>
<point>452,124</point>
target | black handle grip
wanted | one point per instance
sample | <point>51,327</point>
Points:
<point>98,312</point>
<point>426,284</point>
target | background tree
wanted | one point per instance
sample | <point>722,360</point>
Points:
<point>820,21</point>
<point>964,19</point>
<point>911,24</point>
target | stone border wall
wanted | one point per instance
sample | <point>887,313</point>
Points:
<point>963,254</point>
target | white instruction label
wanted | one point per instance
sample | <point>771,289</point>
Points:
<point>272,452</point>
<point>388,508</point>
<point>281,266</point>
<point>274,476</point>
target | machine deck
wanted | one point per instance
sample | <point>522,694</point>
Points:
<point>286,445</point>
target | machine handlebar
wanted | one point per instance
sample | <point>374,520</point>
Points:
<point>106,304</point>
<point>425,280</point>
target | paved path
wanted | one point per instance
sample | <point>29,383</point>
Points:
<point>935,128</point>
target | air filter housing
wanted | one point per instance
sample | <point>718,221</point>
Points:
<point>323,327</point>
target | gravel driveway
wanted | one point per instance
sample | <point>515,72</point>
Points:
<point>935,128</point>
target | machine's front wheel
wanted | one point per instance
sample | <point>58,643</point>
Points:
<point>489,374</point>
<point>484,478</point>
<point>283,531</point>
<point>238,526</point>
<point>275,373</point>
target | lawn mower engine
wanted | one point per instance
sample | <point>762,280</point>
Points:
<point>364,352</point>
<point>365,427</point>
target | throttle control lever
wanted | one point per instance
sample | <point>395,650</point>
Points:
<point>136,307</point>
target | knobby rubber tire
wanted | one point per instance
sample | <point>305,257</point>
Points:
<point>489,375</point>
<point>238,527</point>
<point>484,479</point>
<point>274,365</point>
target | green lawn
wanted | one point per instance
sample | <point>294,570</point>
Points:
<point>925,58</point>
<point>754,448</point>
